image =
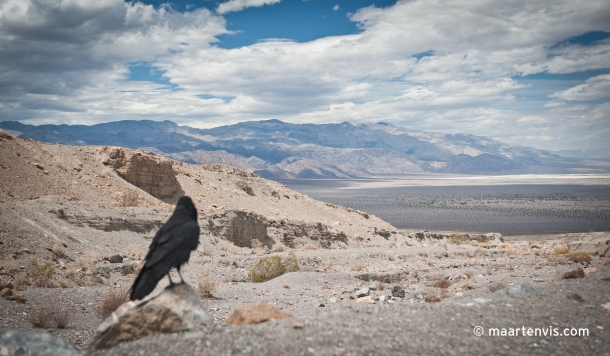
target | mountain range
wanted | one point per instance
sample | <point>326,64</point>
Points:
<point>279,150</point>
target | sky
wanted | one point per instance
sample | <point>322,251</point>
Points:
<point>531,73</point>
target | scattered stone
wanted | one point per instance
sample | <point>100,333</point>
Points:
<point>257,313</point>
<point>362,292</point>
<point>575,297</point>
<point>178,308</point>
<point>114,259</point>
<point>523,289</point>
<point>333,300</point>
<point>579,273</point>
<point>398,292</point>
<point>321,305</point>
<point>367,299</point>
<point>373,287</point>
<point>35,343</point>
<point>297,326</point>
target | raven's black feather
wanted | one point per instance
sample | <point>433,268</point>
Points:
<point>171,247</point>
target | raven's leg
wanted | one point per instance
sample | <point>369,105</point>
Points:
<point>170,279</point>
<point>180,274</point>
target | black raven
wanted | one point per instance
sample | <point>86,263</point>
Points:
<point>171,247</point>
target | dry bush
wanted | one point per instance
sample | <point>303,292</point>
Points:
<point>83,270</point>
<point>129,198</point>
<point>515,252</point>
<point>469,274</point>
<point>61,317</point>
<point>484,245</point>
<point>579,256</point>
<point>435,277</point>
<point>229,247</point>
<point>270,267</point>
<point>496,287</point>
<point>206,284</point>
<point>310,247</point>
<point>436,296</point>
<point>10,265</point>
<point>439,255</point>
<point>278,247</point>
<point>357,267</point>
<point>135,252</point>
<point>458,239</point>
<point>342,245</point>
<point>113,299</point>
<point>358,238</point>
<point>606,261</point>
<point>40,273</point>
<point>442,283</point>
<point>71,235</point>
<point>504,245</point>
<point>258,248</point>
<point>329,265</point>
<point>390,257</point>
<point>58,250</point>
<point>560,250</point>
<point>556,259</point>
<point>60,164</point>
<point>482,238</point>
<point>380,285</point>
<point>40,318</point>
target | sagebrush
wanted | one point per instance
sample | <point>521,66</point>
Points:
<point>268,268</point>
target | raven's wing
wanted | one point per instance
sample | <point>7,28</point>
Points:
<point>178,238</point>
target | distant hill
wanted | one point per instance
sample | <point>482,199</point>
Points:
<point>275,149</point>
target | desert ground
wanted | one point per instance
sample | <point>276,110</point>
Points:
<point>76,222</point>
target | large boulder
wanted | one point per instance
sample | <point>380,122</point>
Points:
<point>178,308</point>
<point>147,171</point>
<point>239,227</point>
<point>35,343</point>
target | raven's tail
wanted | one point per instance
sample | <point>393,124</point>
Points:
<point>147,281</point>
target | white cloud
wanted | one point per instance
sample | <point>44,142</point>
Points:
<point>69,61</point>
<point>238,5</point>
<point>336,7</point>
<point>594,88</point>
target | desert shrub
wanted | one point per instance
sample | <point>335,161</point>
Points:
<point>40,273</point>
<point>561,250</point>
<point>268,268</point>
<point>113,299</point>
<point>58,250</point>
<point>278,247</point>
<point>258,248</point>
<point>229,247</point>
<point>436,296</point>
<point>578,256</point>
<point>129,198</point>
<point>40,318</point>
<point>435,277</point>
<point>310,247</point>
<point>606,261</point>
<point>380,285</point>
<point>442,283</point>
<point>135,251</point>
<point>10,265</point>
<point>60,164</point>
<point>206,284</point>
<point>556,258</point>
<point>329,265</point>
<point>83,270</point>
<point>458,239</point>
<point>61,317</point>
<point>504,245</point>
<point>469,274</point>
<point>357,267</point>
<point>358,238</point>
<point>484,245</point>
<point>496,287</point>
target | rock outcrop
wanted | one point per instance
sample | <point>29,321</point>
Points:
<point>146,171</point>
<point>239,227</point>
<point>35,343</point>
<point>257,313</point>
<point>178,308</point>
